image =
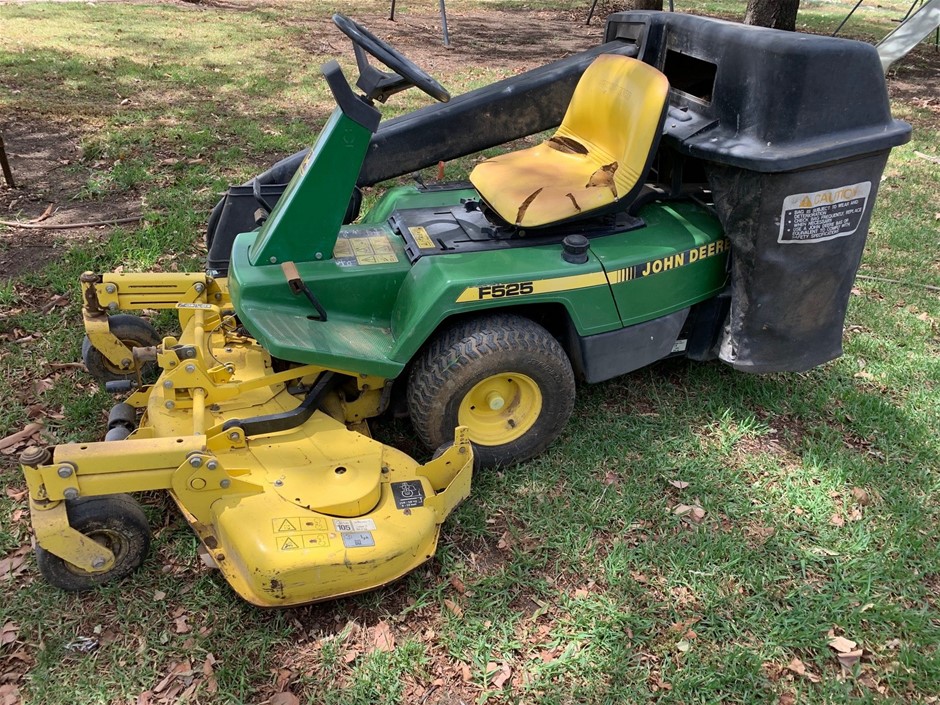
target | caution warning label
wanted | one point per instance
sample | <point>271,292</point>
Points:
<point>823,215</point>
<point>297,533</point>
<point>364,246</point>
<point>422,239</point>
<point>296,542</point>
<point>292,524</point>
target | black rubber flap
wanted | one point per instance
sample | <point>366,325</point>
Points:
<point>797,240</point>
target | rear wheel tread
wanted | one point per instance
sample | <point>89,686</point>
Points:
<point>441,369</point>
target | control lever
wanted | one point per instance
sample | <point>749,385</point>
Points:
<point>297,286</point>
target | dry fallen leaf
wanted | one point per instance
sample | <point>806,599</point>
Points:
<point>176,670</point>
<point>15,563</point>
<point>836,519</point>
<point>8,633</point>
<point>458,584</point>
<point>694,512</point>
<point>848,659</point>
<point>841,644</point>
<point>208,670</point>
<point>501,676</point>
<point>861,496</point>
<point>284,698</point>
<point>182,624</point>
<point>15,439</point>
<point>382,637</point>
<point>350,655</point>
<point>9,694</point>
<point>799,668</point>
<point>453,607</point>
<point>465,673</point>
<point>679,484</point>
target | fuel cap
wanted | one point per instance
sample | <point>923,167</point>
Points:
<point>575,249</point>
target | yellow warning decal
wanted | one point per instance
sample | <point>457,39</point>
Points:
<point>298,542</point>
<point>285,525</point>
<point>316,540</point>
<point>289,543</point>
<point>296,524</point>
<point>362,247</point>
<point>422,239</point>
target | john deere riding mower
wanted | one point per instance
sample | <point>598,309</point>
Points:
<point>706,194</point>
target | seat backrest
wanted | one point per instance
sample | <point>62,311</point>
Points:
<point>617,111</point>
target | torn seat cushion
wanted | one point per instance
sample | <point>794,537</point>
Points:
<point>598,156</point>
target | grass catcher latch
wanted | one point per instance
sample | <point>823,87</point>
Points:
<point>298,286</point>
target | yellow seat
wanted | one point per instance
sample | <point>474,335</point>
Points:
<point>598,156</point>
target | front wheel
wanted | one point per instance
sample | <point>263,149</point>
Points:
<point>114,521</point>
<point>504,377</point>
<point>134,332</point>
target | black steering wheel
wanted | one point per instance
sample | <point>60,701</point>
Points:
<point>391,57</point>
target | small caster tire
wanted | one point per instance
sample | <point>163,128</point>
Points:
<point>116,521</point>
<point>134,332</point>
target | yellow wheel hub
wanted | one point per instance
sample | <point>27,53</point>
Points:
<point>500,409</point>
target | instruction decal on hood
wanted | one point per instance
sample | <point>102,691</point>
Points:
<point>823,215</point>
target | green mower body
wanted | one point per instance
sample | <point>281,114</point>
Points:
<point>740,242</point>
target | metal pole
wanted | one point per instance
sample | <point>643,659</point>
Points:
<point>591,12</point>
<point>851,12</point>
<point>7,174</point>
<point>444,24</point>
<point>391,15</point>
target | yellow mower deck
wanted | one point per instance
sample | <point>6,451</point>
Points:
<point>309,512</point>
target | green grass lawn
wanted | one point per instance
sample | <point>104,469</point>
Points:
<point>696,535</point>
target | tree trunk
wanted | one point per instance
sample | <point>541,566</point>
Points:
<point>779,14</point>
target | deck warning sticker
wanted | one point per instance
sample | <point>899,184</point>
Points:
<point>296,524</point>
<point>408,494</point>
<point>823,215</point>
<point>296,533</point>
<point>366,246</point>
<point>358,539</point>
<point>354,524</point>
<point>289,543</point>
<point>296,542</point>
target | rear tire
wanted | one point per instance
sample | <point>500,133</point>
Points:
<point>115,521</point>
<point>504,377</point>
<point>134,332</point>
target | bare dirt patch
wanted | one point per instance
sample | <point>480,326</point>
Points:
<point>915,80</point>
<point>44,158</point>
<point>508,39</point>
